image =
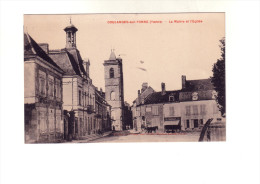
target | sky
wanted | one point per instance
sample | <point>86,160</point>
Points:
<point>154,47</point>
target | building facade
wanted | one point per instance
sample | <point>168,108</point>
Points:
<point>43,95</point>
<point>138,120</point>
<point>198,103</point>
<point>185,109</point>
<point>114,90</point>
<point>79,92</point>
<point>103,110</point>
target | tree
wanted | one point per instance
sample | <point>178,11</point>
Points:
<point>218,79</point>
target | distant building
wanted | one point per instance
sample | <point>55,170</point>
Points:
<point>114,89</point>
<point>185,109</point>
<point>128,122</point>
<point>42,95</point>
<point>103,112</point>
<point>138,118</point>
<point>198,103</point>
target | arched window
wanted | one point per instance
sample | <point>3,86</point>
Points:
<point>113,96</point>
<point>111,72</point>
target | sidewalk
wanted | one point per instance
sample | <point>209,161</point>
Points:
<point>89,138</point>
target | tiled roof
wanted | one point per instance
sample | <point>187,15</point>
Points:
<point>31,48</point>
<point>76,55</point>
<point>198,85</point>
<point>158,97</point>
<point>143,95</point>
<point>66,62</point>
<point>69,60</point>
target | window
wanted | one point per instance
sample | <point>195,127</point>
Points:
<point>171,98</point>
<point>42,120</point>
<point>42,83</point>
<point>111,73</point>
<point>82,97</point>
<point>42,86</point>
<point>187,110</point>
<point>171,111</point>
<point>195,109</point>
<point>51,120</point>
<point>201,121</point>
<point>79,97</point>
<point>112,95</point>
<point>138,111</point>
<point>155,110</point>
<point>194,96</point>
<point>57,91</point>
<point>51,87</point>
<point>196,123</point>
<point>148,109</point>
<point>203,109</point>
<point>187,123</point>
<point>88,124</point>
<point>58,120</point>
<point>85,99</point>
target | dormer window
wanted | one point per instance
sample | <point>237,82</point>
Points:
<point>171,98</point>
<point>194,96</point>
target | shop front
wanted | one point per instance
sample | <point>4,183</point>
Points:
<point>172,124</point>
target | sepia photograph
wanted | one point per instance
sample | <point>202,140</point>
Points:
<point>91,78</point>
<point>129,92</point>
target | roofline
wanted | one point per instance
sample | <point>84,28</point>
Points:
<point>46,63</point>
<point>198,79</point>
<point>174,102</point>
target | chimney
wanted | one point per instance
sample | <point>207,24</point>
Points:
<point>163,88</point>
<point>101,90</point>
<point>183,81</point>
<point>139,92</point>
<point>144,86</point>
<point>45,47</point>
<point>86,65</point>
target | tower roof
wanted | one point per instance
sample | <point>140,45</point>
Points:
<point>70,27</point>
<point>112,55</point>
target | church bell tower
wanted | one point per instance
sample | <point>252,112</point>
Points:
<point>114,90</point>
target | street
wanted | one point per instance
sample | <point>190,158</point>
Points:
<point>153,137</point>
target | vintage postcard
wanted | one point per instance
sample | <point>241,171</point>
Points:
<point>92,78</point>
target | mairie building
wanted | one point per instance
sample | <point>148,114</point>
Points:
<point>61,102</point>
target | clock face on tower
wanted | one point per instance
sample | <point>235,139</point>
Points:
<point>194,96</point>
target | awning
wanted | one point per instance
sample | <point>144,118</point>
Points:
<point>174,122</point>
